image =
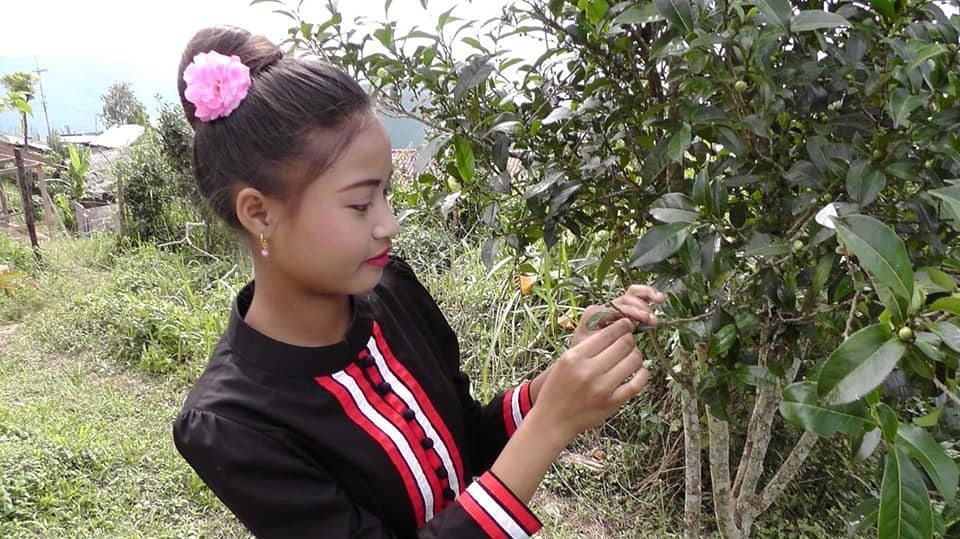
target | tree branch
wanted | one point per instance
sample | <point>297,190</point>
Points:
<point>942,387</point>
<point>791,465</point>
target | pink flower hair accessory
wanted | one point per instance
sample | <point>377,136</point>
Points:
<point>216,84</point>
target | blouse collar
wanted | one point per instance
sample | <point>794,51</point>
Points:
<point>251,346</point>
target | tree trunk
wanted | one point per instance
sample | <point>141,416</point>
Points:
<point>25,195</point>
<point>693,488</point>
<point>723,501</point>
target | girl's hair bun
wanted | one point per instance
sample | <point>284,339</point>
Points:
<point>256,52</point>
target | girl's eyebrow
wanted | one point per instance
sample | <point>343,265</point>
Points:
<point>368,182</point>
<point>371,182</point>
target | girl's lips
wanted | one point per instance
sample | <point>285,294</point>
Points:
<point>380,260</point>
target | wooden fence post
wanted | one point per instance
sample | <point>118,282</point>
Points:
<point>4,207</point>
<point>120,208</point>
<point>49,217</point>
<point>27,198</point>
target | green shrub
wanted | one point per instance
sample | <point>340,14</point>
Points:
<point>154,310</point>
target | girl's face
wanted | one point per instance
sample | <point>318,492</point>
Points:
<point>337,239</point>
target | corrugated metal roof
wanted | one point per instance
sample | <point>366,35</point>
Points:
<point>18,141</point>
<point>118,136</point>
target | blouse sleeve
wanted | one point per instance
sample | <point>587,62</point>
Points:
<point>278,495</point>
<point>490,425</point>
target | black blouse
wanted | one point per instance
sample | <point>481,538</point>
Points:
<point>373,437</point>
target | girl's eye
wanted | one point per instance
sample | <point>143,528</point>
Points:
<point>361,207</point>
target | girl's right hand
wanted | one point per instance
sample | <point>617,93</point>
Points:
<point>592,380</point>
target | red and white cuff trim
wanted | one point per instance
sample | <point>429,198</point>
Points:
<point>516,405</point>
<point>497,510</point>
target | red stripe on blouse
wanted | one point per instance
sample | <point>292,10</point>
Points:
<point>426,405</point>
<point>393,452</point>
<point>486,522</point>
<point>412,436</point>
<point>520,513</point>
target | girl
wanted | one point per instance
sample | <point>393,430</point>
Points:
<point>333,405</point>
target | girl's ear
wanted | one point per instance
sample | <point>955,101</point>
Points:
<point>255,211</point>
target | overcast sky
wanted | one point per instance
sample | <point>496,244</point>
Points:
<point>143,40</point>
<point>155,31</point>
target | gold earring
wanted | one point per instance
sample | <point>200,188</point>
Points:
<point>263,247</point>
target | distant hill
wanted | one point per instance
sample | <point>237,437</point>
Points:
<point>73,86</point>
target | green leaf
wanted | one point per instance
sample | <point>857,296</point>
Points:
<point>929,420</point>
<point>815,150</point>
<point>595,9</point>
<point>948,333</point>
<point>868,444</point>
<point>864,182</point>
<point>922,447</point>
<point>659,243</point>
<point>427,152</point>
<point>679,143</point>
<point>464,155</point>
<point>951,197</point>
<point>384,35</point>
<point>445,18</point>
<point>558,114</point>
<point>800,406</point>
<point>902,169</point>
<point>859,364</point>
<point>926,52</point>
<point>722,341</point>
<point>935,281</point>
<point>656,161</point>
<point>884,7</point>
<point>777,12</point>
<point>501,152</point>
<point>607,262</point>
<point>887,419</point>
<point>488,254</point>
<point>815,19</point>
<point>471,76</point>
<point>950,304</point>
<point>905,511</point>
<point>901,105</point>
<point>718,197</point>
<point>701,190</point>
<point>600,316</point>
<point>928,344</point>
<point>639,15</point>
<point>862,517</point>
<point>673,215</point>
<point>755,375</point>
<point>884,256</point>
<point>678,12</point>
<point>24,107</point>
<point>822,274</point>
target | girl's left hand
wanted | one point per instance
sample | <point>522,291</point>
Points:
<point>634,304</point>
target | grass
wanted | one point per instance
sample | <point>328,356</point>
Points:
<point>85,452</point>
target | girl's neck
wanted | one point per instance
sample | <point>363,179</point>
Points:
<point>290,316</point>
